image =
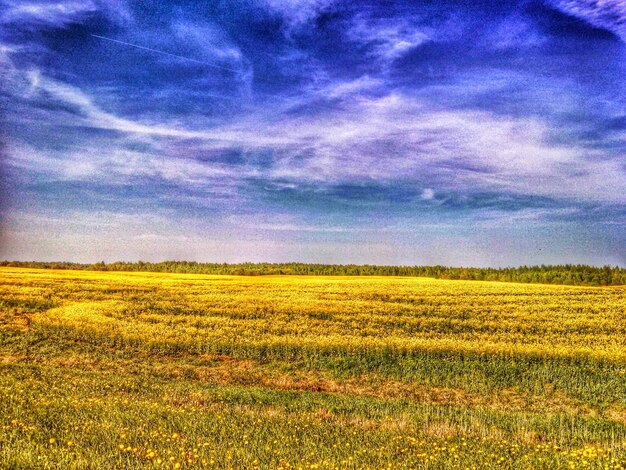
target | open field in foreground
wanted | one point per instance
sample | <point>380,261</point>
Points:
<point>142,370</point>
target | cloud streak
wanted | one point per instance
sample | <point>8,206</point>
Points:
<point>605,14</point>
<point>46,14</point>
<point>161,52</point>
<point>386,40</point>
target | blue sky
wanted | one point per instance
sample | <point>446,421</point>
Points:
<point>486,133</point>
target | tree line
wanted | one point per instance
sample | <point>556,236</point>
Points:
<point>567,274</point>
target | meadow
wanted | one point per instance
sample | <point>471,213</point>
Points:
<point>155,370</point>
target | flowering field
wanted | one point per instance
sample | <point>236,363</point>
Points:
<point>143,370</point>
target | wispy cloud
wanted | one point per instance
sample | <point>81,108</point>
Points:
<point>36,14</point>
<point>386,39</point>
<point>39,14</point>
<point>605,14</point>
<point>297,13</point>
<point>290,223</point>
<point>515,32</point>
<point>394,137</point>
<point>312,123</point>
<point>207,38</point>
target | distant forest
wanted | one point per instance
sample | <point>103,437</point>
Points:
<point>570,274</point>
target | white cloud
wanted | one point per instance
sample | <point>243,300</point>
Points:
<point>289,223</point>
<point>346,88</point>
<point>396,137</point>
<point>606,14</point>
<point>58,14</point>
<point>208,39</point>
<point>161,238</point>
<point>297,13</point>
<point>214,45</point>
<point>428,194</point>
<point>47,13</point>
<point>388,39</point>
<point>391,138</point>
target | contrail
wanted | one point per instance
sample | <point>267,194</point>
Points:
<point>208,64</point>
<point>163,52</point>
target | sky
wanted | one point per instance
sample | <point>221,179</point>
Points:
<point>482,133</point>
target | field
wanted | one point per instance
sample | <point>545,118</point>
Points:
<point>147,370</point>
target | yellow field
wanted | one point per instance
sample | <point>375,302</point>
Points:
<point>132,370</point>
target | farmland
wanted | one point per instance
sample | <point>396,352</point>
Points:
<point>136,370</point>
